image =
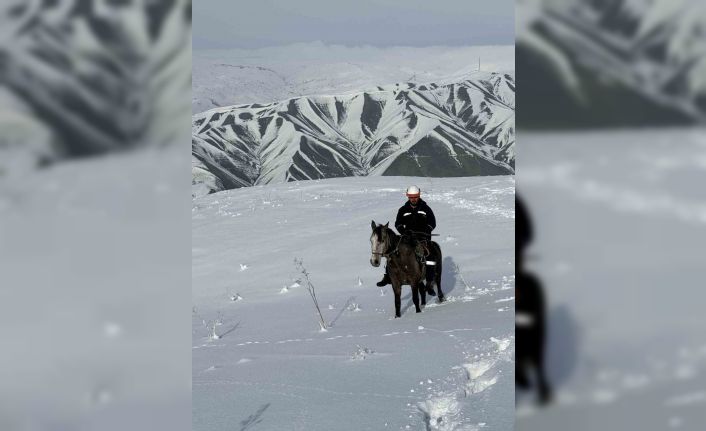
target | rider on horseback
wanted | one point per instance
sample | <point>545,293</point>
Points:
<point>415,221</point>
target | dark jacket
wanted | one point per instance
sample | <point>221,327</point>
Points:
<point>419,218</point>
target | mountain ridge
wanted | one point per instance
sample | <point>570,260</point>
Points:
<point>433,129</point>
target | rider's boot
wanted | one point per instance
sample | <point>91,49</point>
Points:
<point>385,280</point>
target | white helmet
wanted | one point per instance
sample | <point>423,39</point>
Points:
<point>413,191</point>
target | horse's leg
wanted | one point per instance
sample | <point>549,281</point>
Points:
<point>440,294</point>
<point>415,296</point>
<point>397,289</point>
<point>433,270</point>
<point>537,361</point>
<point>521,379</point>
<point>545,392</point>
<point>429,275</point>
<point>423,293</point>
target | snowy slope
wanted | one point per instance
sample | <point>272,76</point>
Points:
<point>234,77</point>
<point>96,329</point>
<point>642,61</point>
<point>448,368</point>
<point>457,128</point>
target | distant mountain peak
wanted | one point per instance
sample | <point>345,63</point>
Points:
<point>461,128</point>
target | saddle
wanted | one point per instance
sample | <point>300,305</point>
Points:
<point>422,250</point>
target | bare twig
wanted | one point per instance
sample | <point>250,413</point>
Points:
<point>299,263</point>
<point>463,280</point>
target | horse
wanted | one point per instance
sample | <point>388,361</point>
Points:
<point>530,314</point>
<point>402,264</point>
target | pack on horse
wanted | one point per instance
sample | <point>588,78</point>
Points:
<point>403,264</point>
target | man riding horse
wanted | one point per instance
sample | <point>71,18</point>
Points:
<point>415,221</point>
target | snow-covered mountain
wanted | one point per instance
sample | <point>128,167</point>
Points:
<point>227,77</point>
<point>92,77</point>
<point>460,128</point>
<point>612,62</point>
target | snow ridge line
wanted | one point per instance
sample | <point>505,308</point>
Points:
<point>300,387</point>
<point>348,336</point>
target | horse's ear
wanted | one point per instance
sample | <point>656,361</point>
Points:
<point>372,224</point>
<point>386,224</point>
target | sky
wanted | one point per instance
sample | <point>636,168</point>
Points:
<point>222,24</point>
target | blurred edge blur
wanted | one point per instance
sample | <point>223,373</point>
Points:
<point>95,226</point>
<point>611,161</point>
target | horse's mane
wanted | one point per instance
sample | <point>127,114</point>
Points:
<point>391,232</point>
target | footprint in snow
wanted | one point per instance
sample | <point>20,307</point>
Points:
<point>440,413</point>
<point>478,380</point>
<point>502,344</point>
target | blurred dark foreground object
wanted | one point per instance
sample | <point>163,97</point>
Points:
<point>530,315</point>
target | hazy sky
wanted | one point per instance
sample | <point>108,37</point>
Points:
<point>261,23</point>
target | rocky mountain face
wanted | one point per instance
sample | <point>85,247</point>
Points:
<point>460,128</point>
<point>611,63</point>
<point>97,77</point>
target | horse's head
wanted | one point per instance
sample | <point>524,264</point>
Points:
<point>379,242</point>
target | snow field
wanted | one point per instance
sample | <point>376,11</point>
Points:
<point>272,365</point>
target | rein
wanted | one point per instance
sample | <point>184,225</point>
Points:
<point>387,253</point>
<point>414,232</point>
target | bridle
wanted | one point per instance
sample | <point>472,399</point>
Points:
<point>387,246</point>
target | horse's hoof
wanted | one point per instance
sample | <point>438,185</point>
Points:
<point>545,397</point>
<point>397,316</point>
<point>431,292</point>
<point>419,311</point>
<point>441,299</point>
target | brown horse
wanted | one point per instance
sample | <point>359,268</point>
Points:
<point>402,264</point>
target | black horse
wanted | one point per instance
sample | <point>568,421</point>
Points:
<point>530,314</point>
<point>403,265</point>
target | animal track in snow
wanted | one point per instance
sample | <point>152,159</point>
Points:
<point>477,380</point>
<point>477,369</point>
<point>441,413</point>
<point>502,344</point>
